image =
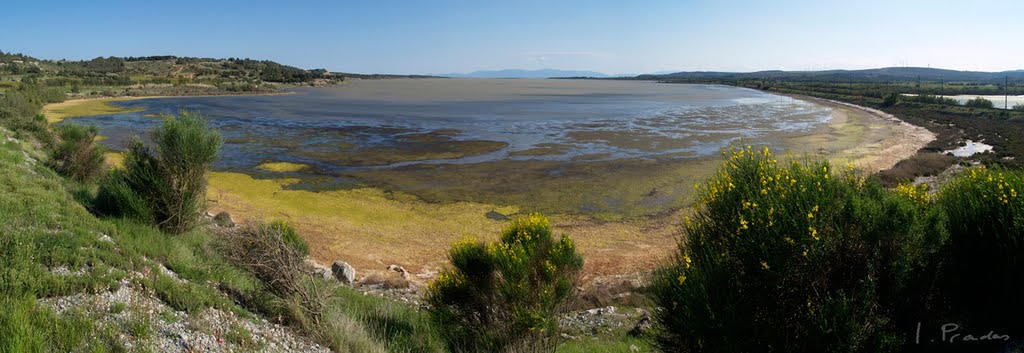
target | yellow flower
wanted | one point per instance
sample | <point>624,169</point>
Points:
<point>682,279</point>
<point>789,240</point>
<point>764,265</point>
<point>810,215</point>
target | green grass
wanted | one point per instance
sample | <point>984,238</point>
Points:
<point>26,326</point>
<point>42,227</point>
<point>242,337</point>
<point>607,344</point>
<point>117,308</point>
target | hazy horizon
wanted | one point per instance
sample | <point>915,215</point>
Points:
<point>461,37</point>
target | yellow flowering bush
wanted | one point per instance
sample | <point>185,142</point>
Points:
<point>916,193</point>
<point>983,260</point>
<point>795,256</point>
<point>506,295</point>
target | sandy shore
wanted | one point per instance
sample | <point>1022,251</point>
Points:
<point>870,139</point>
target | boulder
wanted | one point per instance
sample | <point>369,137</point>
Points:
<point>344,272</point>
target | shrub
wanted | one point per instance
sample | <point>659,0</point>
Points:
<point>290,237</point>
<point>270,253</point>
<point>921,164</point>
<point>1018,106</point>
<point>117,197</point>
<point>170,178</point>
<point>979,102</point>
<point>790,258</point>
<point>984,257</point>
<point>76,155</point>
<point>506,295</point>
<point>891,99</point>
<point>262,250</point>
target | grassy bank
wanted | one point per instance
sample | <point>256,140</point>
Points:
<point>53,247</point>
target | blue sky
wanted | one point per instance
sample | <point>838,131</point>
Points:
<point>614,37</point>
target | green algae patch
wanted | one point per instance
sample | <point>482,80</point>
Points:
<point>372,227</point>
<point>384,154</point>
<point>607,190</point>
<point>368,222</point>
<point>283,167</point>
<point>544,149</point>
<point>85,107</point>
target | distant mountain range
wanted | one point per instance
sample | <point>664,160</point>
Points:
<point>517,73</point>
<point>900,74</point>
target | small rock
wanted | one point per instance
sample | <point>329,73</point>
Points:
<point>106,238</point>
<point>323,272</point>
<point>602,311</point>
<point>642,327</point>
<point>634,348</point>
<point>344,272</point>
<point>399,269</point>
<point>223,219</point>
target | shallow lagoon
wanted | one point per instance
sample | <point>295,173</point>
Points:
<point>577,146</point>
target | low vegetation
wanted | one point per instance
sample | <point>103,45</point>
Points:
<point>506,296</point>
<point>979,102</point>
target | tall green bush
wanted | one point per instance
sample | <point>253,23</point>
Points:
<point>506,295</point>
<point>169,179</point>
<point>791,258</point>
<point>77,155</point>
